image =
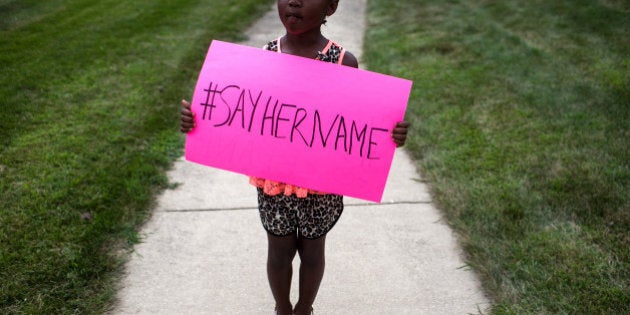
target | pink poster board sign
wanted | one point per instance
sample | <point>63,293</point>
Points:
<point>295,120</point>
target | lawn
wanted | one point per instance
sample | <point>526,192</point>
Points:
<point>90,95</point>
<point>521,124</point>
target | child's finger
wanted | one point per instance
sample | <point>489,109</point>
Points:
<point>186,104</point>
<point>400,130</point>
<point>186,111</point>
<point>399,139</point>
<point>186,127</point>
<point>187,118</point>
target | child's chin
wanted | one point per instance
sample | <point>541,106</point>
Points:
<point>292,20</point>
<point>294,31</point>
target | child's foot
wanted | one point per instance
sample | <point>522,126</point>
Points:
<point>308,312</point>
<point>285,311</point>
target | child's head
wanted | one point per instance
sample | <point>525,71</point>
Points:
<point>300,16</point>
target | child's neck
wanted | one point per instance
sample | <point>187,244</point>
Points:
<point>305,45</point>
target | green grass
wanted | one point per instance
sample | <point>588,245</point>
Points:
<point>521,123</point>
<point>90,96</point>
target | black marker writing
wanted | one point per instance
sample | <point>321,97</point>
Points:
<point>369,155</point>
<point>227,105</point>
<point>317,124</point>
<point>241,107</point>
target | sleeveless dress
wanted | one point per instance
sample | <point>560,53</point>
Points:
<point>332,53</point>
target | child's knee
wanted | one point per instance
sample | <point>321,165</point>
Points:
<point>312,252</point>
<point>279,261</point>
<point>280,256</point>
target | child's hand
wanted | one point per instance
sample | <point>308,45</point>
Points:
<point>400,133</point>
<point>188,118</point>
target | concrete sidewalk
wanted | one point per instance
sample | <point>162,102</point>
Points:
<point>204,250</point>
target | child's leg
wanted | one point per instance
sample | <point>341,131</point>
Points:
<point>316,217</point>
<point>280,254</point>
<point>312,266</point>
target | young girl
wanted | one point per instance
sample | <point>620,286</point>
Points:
<point>297,219</point>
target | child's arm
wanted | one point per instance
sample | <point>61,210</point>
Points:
<point>350,60</point>
<point>187,118</point>
<point>400,133</point>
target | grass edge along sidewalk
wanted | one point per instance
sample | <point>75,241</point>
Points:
<point>90,99</point>
<point>521,124</point>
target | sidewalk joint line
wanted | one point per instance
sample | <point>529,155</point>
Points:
<point>391,203</point>
<point>256,208</point>
<point>212,209</point>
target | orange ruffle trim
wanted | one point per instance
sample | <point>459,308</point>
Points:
<point>274,188</point>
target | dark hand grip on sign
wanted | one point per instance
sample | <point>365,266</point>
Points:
<point>317,125</point>
<point>230,106</point>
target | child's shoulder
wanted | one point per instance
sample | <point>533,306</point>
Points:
<point>350,60</point>
<point>337,54</point>
<point>272,45</point>
<point>347,58</point>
